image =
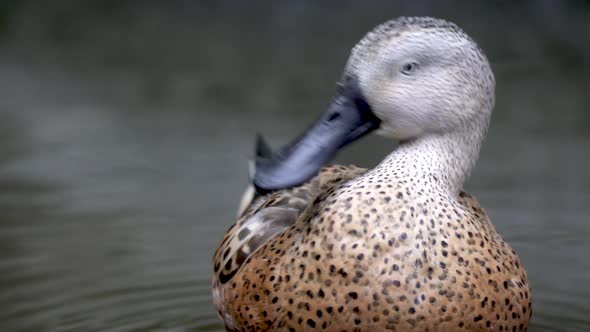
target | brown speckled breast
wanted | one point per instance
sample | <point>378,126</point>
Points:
<point>371,256</point>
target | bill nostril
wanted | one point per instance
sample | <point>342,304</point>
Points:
<point>333,116</point>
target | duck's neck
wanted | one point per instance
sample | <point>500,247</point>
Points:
<point>435,163</point>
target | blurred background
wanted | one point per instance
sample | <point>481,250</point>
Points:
<point>125,127</point>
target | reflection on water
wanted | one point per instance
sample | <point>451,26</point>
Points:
<point>123,150</point>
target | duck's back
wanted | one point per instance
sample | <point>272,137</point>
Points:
<point>263,217</point>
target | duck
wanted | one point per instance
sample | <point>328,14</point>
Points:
<point>399,247</point>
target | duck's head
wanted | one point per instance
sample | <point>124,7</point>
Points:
<point>408,78</point>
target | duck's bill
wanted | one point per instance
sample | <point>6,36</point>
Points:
<point>347,118</point>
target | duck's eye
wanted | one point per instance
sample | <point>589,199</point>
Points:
<point>409,68</point>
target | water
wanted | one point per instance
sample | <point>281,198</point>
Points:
<point>124,135</point>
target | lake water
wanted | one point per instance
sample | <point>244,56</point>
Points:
<point>125,132</point>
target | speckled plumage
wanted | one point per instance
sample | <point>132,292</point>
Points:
<point>400,247</point>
